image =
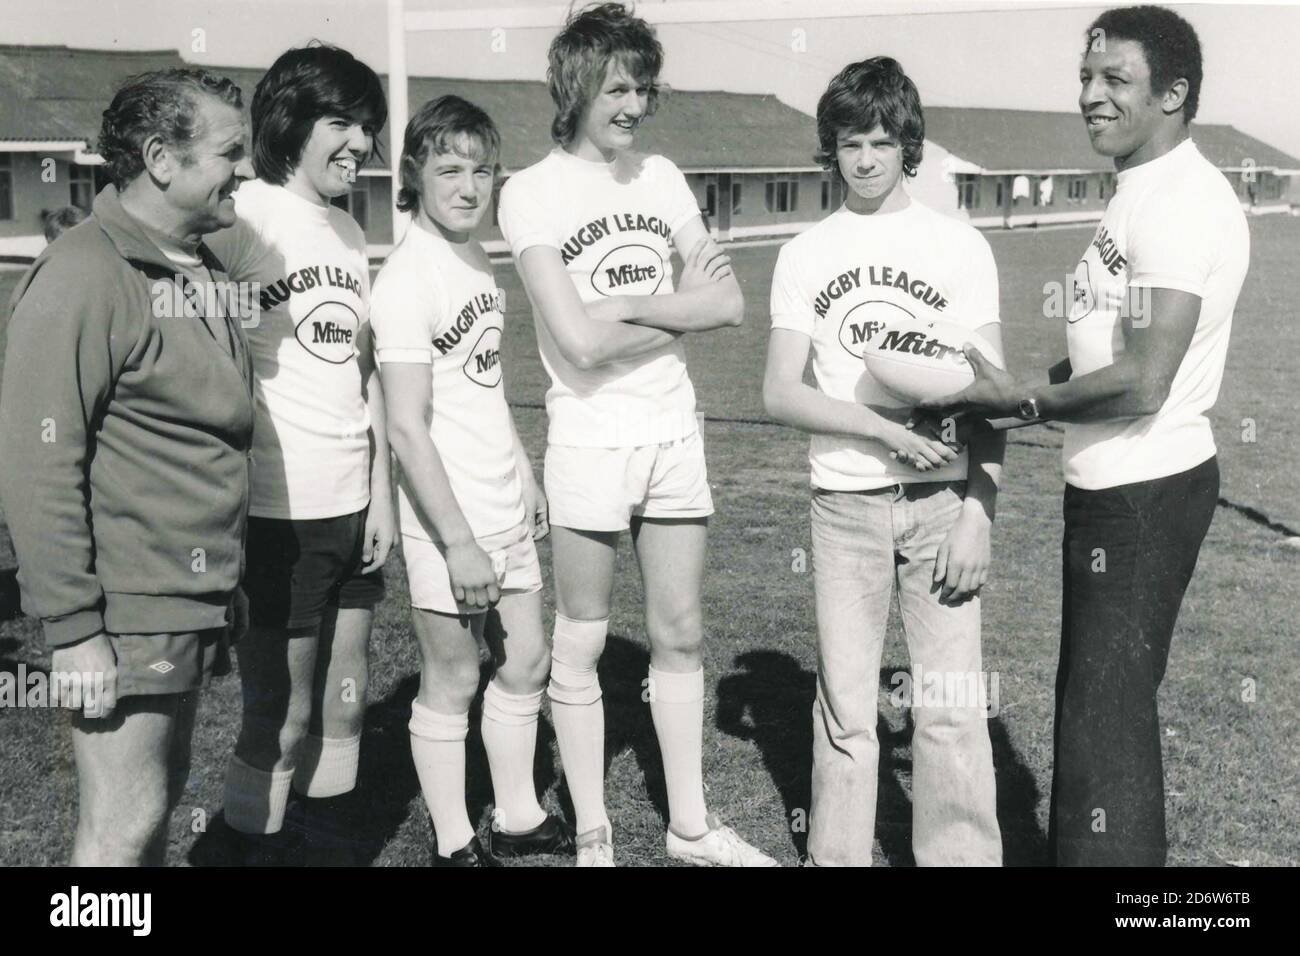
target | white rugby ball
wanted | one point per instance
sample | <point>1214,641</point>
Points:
<point>916,360</point>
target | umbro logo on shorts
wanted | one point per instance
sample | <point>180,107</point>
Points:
<point>163,667</point>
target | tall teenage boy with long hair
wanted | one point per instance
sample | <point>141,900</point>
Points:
<point>592,228</point>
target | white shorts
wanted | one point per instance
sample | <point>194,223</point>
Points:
<point>602,489</point>
<point>514,559</point>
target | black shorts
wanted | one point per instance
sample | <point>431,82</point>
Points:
<point>295,569</point>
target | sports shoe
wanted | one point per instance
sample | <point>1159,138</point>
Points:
<point>552,835</point>
<point>595,848</point>
<point>721,846</point>
<point>471,854</point>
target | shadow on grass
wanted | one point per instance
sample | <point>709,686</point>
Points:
<point>624,668</point>
<point>10,602</point>
<point>8,665</point>
<point>769,701</point>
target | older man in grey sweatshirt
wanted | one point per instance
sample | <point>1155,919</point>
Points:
<point>125,422</point>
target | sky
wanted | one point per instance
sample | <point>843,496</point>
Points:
<point>992,53</point>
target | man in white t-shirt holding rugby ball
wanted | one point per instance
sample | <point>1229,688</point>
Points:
<point>468,504</point>
<point>1148,338</point>
<point>892,507</point>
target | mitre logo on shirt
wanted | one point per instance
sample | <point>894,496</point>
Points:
<point>484,363</point>
<point>632,269</point>
<point>329,332</point>
<point>862,323</point>
<point>1084,297</point>
<point>466,318</point>
<point>1106,290</point>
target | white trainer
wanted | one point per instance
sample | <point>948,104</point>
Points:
<point>595,848</point>
<point>721,846</point>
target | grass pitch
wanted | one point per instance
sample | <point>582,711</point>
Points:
<point>1232,769</point>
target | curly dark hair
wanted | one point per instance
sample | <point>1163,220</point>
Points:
<point>1170,44</point>
<point>159,103</point>
<point>301,86</point>
<point>874,92</point>
<point>581,53</point>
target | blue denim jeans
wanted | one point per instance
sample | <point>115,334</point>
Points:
<point>864,545</point>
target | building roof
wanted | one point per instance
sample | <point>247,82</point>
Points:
<point>1039,141</point>
<point>53,92</point>
<point>58,93</point>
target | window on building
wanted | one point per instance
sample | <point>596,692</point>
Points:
<point>81,186</point>
<point>781,194</point>
<point>710,199</point>
<point>1002,194</point>
<point>6,186</point>
<point>968,191</point>
<point>735,199</point>
<point>1045,191</point>
<point>1077,189</point>
<point>826,193</point>
<point>1102,180</point>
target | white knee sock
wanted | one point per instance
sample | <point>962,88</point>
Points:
<point>677,708</point>
<point>438,749</point>
<point>255,799</point>
<point>510,738</point>
<point>326,766</point>
<point>579,715</point>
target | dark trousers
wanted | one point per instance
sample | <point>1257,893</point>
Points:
<point>1128,555</point>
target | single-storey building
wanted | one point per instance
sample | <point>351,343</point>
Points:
<point>748,158</point>
<point>1012,168</point>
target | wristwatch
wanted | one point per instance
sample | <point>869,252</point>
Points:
<point>1027,410</point>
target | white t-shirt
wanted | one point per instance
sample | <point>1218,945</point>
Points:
<point>612,224</point>
<point>841,280</point>
<point>438,305</point>
<point>1173,223</point>
<point>311,450</point>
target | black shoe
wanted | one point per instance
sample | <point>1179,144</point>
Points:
<point>471,854</point>
<point>225,846</point>
<point>552,835</point>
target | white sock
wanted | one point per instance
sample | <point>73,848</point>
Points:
<point>438,749</point>
<point>510,738</point>
<point>579,715</point>
<point>677,708</point>
<point>255,799</point>
<point>326,766</point>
